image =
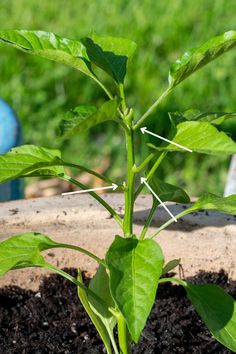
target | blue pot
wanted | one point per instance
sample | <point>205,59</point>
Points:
<point>10,136</point>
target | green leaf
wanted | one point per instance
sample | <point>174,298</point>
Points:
<point>217,309</point>
<point>210,201</point>
<point>111,54</point>
<point>215,118</point>
<point>24,251</point>
<point>135,267</point>
<point>196,58</point>
<point>34,161</point>
<point>171,265</point>
<point>50,46</point>
<point>99,284</point>
<point>82,118</point>
<point>31,161</point>
<point>200,137</point>
<point>96,320</point>
<point>168,192</point>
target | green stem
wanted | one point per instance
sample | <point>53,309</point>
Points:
<point>97,197</point>
<point>139,168</point>
<point>151,173</point>
<point>156,165</point>
<point>122,96</point>
<point>127,116</point>
<point>174,280</point>
<point>151,109</point>
<point>75,281</point>
<point>149,219</point>
<point>169,222</point>
<point>85,169</point>
<point>129,190</point>
<point>84,251</point>
<point>123,336</point>
<point>103,87</point>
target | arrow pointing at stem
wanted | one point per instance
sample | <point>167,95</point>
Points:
<point>113,187</point>
<point>144,180</point>
<point>144,130</point>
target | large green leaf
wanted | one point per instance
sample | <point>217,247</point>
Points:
<point>50,46</point>
<point>215,118</point>
<point>111,54</point>
<point>24,251</point>
<point>84,117</point>
<point>168,192</point>
<point>135,267</point>
<point>196,58</point>
<point>217,309</point>
<point>200,137</point>
<point>30,160</point>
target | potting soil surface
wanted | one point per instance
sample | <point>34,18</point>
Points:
<point>52,321</point>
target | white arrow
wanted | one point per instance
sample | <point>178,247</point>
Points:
<point>113,187</point>
<point>144,130</point>
<point>144,180</point>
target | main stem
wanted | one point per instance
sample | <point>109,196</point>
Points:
<point>127,117</point>
<point>129,188</point>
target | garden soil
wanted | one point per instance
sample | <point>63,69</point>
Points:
<point>52,321</point>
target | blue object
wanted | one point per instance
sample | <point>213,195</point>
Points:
<point>10,136</point>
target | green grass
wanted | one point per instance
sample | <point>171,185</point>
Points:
<point>41,91</point>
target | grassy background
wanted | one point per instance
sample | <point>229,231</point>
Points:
<point>41,91</point>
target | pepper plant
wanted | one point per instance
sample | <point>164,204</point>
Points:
<point>122,292</point>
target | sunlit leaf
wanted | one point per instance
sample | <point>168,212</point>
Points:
<point>50,46</point>
<point>200,137</point>
<point>196,58</point>
<point>111,54</point>
<point>23,251</point>
<point>135,267</point>
<point>34,161</point>
<point>30,160</point>
<point>210,201</point>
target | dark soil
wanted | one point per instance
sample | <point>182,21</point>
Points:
<point>52,321</point>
